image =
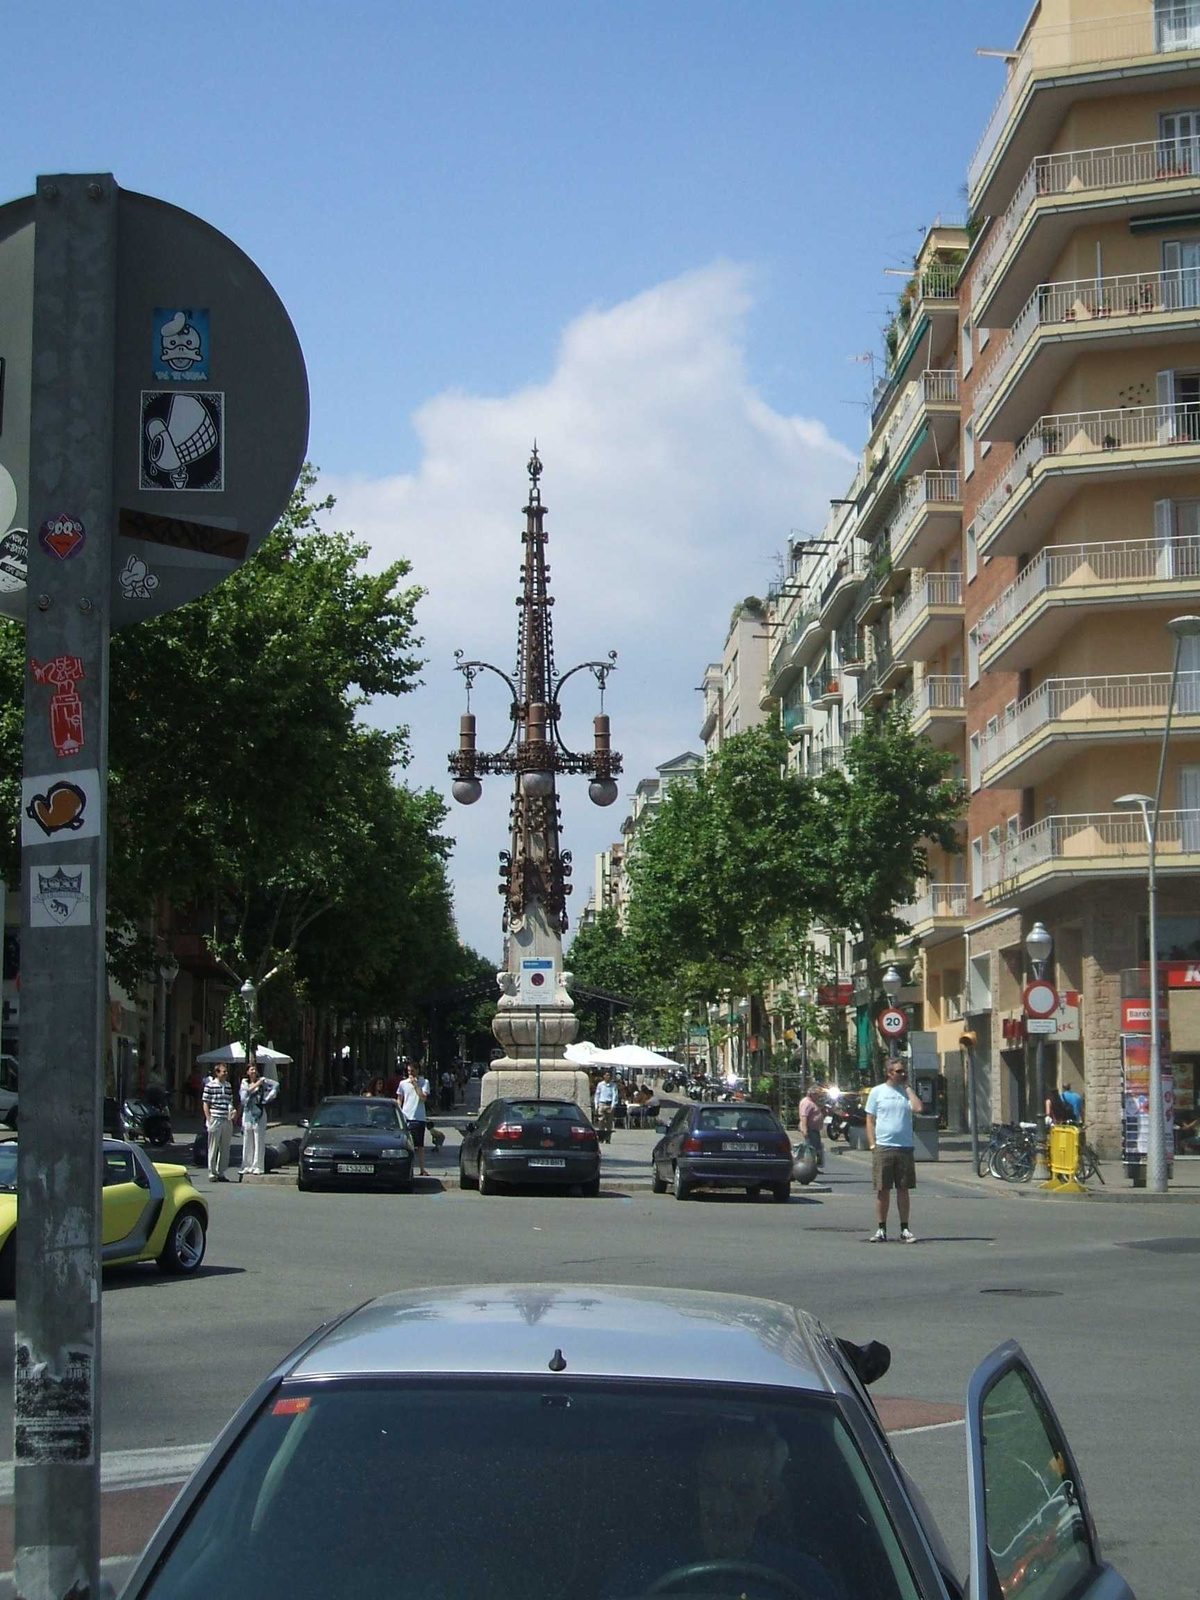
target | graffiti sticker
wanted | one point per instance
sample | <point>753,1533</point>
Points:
<point>62,898</point>
<point>66,708</point>
<point>181,346</point>
<point>14,560</point>
<point>62,536</point>
<point>136,581</point>
<point>59,804</point>
<point>183,440</point>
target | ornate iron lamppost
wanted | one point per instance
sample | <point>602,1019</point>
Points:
<point>535,870</point>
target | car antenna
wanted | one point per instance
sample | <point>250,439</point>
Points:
<point>557,1363</point>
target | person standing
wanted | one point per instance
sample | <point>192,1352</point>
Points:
<point>1074,1102</point>
<point>256,1093</point>
<point>607,1099</point>
<point>811,1116</point>
<point>412,1094</point>
<point>218,1119</point>
<point>890,1107</point>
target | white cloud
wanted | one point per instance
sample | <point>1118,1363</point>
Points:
<point>671,486</point>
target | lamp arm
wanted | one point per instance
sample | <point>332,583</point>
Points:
<point>471,670</point>
<point>600,671</point>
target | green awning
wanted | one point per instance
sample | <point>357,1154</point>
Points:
<point>913,342</point>
<point>1168,224</point>
<point>902,465</point>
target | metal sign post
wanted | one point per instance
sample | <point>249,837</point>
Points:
<point>64,988</point>
<point>153,423</point>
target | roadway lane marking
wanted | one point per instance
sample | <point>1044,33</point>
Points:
<point>131,1469</point>
<point>928,1427</point>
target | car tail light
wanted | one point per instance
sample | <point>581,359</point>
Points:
<point>692,1145</point>
<point>583,1135</point>
<point>782,1146</point>
<point>509,1132</point>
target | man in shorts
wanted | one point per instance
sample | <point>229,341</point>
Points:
<point>890,1107</point>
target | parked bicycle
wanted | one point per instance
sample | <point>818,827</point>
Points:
<point>1011,1154</point>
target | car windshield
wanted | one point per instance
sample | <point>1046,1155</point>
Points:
<point>585,1490</point>
<point>544,1111</point>
<point>356,1114</point>
<point>8,1166</point>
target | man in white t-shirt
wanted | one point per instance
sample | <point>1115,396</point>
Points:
<point>890,1107</point>
<point>412,1094</point>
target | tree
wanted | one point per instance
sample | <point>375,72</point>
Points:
<point>870,828</point>
<point>602,957</point>
<point>719,896</point>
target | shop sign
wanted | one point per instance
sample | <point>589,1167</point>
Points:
<point>1135,1016</point>
<point>1066,1018</point>
<point>1182,974</point>
<point>1135,1113</point>
<point>840,993</point>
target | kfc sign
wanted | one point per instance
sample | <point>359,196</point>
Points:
<point>1182,974</point>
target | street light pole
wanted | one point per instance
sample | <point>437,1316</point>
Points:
<point>1038,945</point>
<point>892,985</point>
<point>249,997</point>
<point>804,996</point>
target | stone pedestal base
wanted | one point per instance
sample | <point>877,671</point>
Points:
<point>510,1080</point>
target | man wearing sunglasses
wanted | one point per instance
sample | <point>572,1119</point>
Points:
<point>890,1107</point>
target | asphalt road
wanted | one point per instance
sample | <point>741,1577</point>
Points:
<point>1104,1299</point>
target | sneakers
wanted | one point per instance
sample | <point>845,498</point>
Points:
<point>880,1235</point>
<point>907,1237</point>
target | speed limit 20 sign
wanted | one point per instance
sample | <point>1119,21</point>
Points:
<point>893,1024</point>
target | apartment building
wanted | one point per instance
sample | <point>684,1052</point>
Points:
<point>1080,380</point>
<point>731,686</point>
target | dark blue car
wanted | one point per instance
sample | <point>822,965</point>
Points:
<point>730,1146</point>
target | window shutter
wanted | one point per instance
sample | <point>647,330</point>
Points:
<point>1172,265</point>
<point>1164,385</point>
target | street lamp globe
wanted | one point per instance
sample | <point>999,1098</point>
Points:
<point>892,983</point>
<point>168,969</point>
<point>1184,627</point>
<point>537,785</point>
<point>1038,944</point>
<point>466,790</point>
<point>1134,802</point>
<point>804,994</point>
<point>602,791</point>
<point>248,993</point>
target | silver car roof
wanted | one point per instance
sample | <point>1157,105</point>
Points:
<point>515,1329</point>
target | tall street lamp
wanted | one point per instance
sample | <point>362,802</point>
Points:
<point>714,1011</point>
<point>892,985</point>
<point>804,995</point>
<point>743,1013</point>
<point>535,870</point>
<point>1038,945</point>
<point>1150,806</point>
<point>249,997</point>
<point>168,971</point>
<point>687,1039</point>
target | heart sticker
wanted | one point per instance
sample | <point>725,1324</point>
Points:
<point>62,536</point>
<point>59,810</point>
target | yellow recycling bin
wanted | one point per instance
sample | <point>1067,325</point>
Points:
<point>1064,1161</point>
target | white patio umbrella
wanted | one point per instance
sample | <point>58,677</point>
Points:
<point>234,1054</point>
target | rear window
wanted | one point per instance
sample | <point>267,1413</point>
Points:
<point>380,1117</point>
<point>585,1491</point>
<point>735,1119</point>
<point>532,1111</point>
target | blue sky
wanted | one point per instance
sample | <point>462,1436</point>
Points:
<point>653,234</point>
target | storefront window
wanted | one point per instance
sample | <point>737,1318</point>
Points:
<point>1178,938</point>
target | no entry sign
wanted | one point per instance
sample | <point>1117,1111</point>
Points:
<point>1041,998</point>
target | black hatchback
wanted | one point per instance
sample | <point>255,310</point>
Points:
<point>733,1146</point>
<point>530,1141</point>
<point>356,1141</point>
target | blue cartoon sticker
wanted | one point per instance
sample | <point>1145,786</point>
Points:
<point>181,345</point>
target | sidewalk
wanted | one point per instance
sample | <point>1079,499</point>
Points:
<point>955,1166</point>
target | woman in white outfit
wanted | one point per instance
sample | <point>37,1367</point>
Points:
<point>256,1094</point>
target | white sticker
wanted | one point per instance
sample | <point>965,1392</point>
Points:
<point>60,896</point>
<point>60,805</point>
<point>136,581</point>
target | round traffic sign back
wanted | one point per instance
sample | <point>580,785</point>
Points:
<point>1041,998</point>
<point>893,1024</point>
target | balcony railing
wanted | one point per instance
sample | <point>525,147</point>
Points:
<point>929,589</point>
<point>852,565</point>
<point>1134,561</point>
<point>1133,697</point>
<point>1079,172</point>
<point>1077,433</point>
<point>937,487</point>
<point>1157,30</point>
<point>1077,302</point>
<point>802,619</point>
<point>1085,837</point>
<point>850,649</point>
<point>936,387</point>
<point>939,900</point>
<point>823,684</point>
<point>828,758</point>
<point>939,692</point>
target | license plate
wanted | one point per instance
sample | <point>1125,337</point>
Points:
<point>751,1148</point>
<point>355,1166</point>
<point>547,1161</point>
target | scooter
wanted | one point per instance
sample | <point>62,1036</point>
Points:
<point>148,1116</point>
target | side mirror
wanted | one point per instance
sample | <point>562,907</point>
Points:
<point>303,1123</point>
<point>662,1127</point>
<point>867,1361</point>
<point>465,1127</point>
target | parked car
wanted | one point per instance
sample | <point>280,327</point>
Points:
<point>356,1141</point>
<point>657,1442</point>
<point>150,1213</point>
<point>735,1146</point>
<point>530,1141</point>
<point>8,1090</point>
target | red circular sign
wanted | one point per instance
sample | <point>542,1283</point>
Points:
<point>893,1024</point>
<point>1041,998</point>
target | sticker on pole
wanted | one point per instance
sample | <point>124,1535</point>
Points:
<point>62,898</point>
<point>538,981</point>
<point>893,1024</point>
<point>1041,998</point>
<point>60,804</point>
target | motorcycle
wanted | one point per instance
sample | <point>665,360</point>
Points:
<point>147,1116</point>
<point>844,1113</point>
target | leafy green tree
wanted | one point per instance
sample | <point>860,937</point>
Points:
<point>602,957</point>
<point>870,829</point>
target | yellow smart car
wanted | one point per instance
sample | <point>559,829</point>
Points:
<point>151,1213</point>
